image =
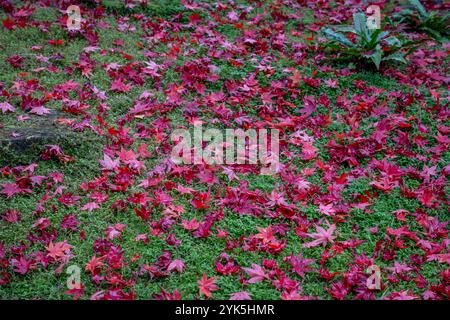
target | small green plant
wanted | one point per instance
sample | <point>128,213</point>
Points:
<point>432,23</point>
<point>373,45</point>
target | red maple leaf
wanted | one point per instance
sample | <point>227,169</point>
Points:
<point>8,23</point>
<point>94,264</point>
<point>207,286</point>
<point>76,292</point>
<point>201,200</point>
<point>265,234</point>
<point>56,42</point>
<point>59,250</point>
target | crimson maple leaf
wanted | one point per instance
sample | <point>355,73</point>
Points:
<point>201,200</point>
<point>207,286</point>
<point>8,23</point>
<point>426,198</point>
<point>57,42</point>
<point>143,212</point>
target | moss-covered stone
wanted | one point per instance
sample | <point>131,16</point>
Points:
<point>23,142</point>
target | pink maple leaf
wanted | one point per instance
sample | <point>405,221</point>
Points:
<point>243,295</point>
<point>119,86</point>
<point>322,236</point>
<point>327,209</point>
<point>10,189</point>
<point>115,231</point>
<point>299,264</point>
<point>90,206</point>
<point>256,273</point>
<point>177,265</point>
<point>276,199</point>
<point>108,163</point>
<point>21,265</point>
<point>40,110</point>
<point>308,150</point>
<point>5,107</point>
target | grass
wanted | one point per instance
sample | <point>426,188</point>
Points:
<point>198,254</point>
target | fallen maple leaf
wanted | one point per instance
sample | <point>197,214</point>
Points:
<point>58,250</point>
<point>94,264</point>
<point>21,265</point>
<point>327,209</point>
<point>108,163</point>
<point>40,110</point>
<point>90,206</point>
<point>176,265</point>
<point>207,286</point>
<point>243,295</point>
<point>10,189</point>
<point>256,273</point>
<point>5,107</point>
<point>322,237</point>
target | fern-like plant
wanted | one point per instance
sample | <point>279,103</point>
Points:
<point>373,45</point>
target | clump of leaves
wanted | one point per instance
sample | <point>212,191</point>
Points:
<point>363,43</point>
<point>433,23</point>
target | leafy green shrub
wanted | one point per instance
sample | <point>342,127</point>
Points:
<point>154,8</point>
<point>432,23</point>
<point>373,45</point>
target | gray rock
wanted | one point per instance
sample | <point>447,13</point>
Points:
<point>22,142</point>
